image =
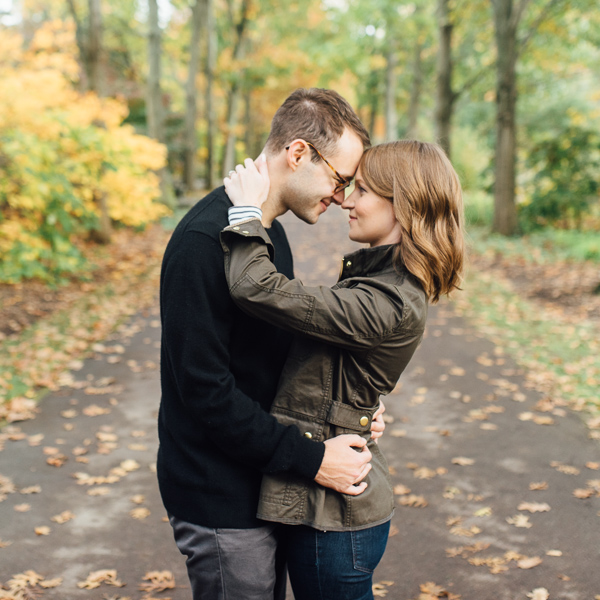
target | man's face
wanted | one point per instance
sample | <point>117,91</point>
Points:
<point>311,187</point>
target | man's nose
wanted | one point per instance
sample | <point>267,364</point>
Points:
<point>338,197</point>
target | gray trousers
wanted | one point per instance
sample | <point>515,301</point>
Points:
<point>232,564</point>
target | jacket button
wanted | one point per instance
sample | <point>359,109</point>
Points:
<point>364,421</point>
<point>349,263</point>
<point>308,435</point>
<point>236,228</point>
<point>245,231</point>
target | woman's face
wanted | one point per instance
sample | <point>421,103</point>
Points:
<point>372,219</point>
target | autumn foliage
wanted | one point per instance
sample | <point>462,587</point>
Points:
<point>61,153</point>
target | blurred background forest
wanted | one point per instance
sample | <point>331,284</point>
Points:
<point>116,116</point>
<point>113,114</point>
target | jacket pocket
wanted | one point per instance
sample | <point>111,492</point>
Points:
<point>350,419</point>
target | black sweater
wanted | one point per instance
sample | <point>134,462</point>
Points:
<point>219,373</point>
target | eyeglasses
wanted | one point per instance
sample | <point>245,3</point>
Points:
<point>343,183</point>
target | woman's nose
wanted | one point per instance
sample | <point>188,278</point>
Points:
<point>348,202</point>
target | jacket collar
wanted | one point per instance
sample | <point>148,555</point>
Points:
<point>367,261</point>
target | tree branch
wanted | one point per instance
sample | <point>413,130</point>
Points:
<point>536,24</point>
<point>517,14</point>
<point>79,34</point>
<point>472,81</point>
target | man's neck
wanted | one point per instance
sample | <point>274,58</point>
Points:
<point>273,206</point>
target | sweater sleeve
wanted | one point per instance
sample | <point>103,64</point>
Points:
<point>357,317</point>
<point>197,326</point>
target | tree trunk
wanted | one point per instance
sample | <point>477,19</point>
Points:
<point>190,96</point>
<point>445,96</point>
<point>154,109</point>
<point>103,233</point>
<point>505,211</point>
<point>211,122</point>
<point>235,92</point>
<point>391,83</point>
<point>95,53</point>
<point>415,92</point>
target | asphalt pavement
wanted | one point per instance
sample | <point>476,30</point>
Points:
<point>497,487</point>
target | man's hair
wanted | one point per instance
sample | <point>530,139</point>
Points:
<point>317,116</point>
<point>419,180</point>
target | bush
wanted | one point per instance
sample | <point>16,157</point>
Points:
<point>565,163</point>
<point>62,155</point>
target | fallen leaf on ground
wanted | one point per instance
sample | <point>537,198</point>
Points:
<point>64,516</point>
<point>534,507</point>
<point>413,500</point>
<point>464,532</point>
<point>95,578</point>
<point>58,460</point>
<point>401,490</point>
<point>566,469</point>
<point>43,530</point>
<point>463,461</point>
<point>592,465</point>
<point>432,591</point>
<point>464,551</point>
<point>51,583</point>
<point>519,520</point>
<point>22,507</point>
<point>538,486</point>
<point>486,511</point>
<point>554,553</point>
<point>539,594</point>
<point>583,493</point>
<point>4,544</point>
<point>140,513</point>
<point>32,489</point>
<point>99,491</point>
<point>130,465</point>
<point>529,563</point>
<point>93,410</point>
<point>424,473</point>
<point>393,531</point>
<point>158,581</point>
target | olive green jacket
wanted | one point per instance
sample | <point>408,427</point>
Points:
<point>352,343</point>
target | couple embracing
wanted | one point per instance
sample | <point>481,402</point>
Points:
<point>270,408</point>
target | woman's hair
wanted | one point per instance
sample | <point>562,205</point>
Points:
<point>418,178</point>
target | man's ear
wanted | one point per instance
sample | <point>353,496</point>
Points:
<point>297,151</point>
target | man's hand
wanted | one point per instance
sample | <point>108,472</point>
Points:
<point>343,466</point>
<point>377,423</point>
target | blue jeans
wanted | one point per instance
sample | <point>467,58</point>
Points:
<point>332,565</point>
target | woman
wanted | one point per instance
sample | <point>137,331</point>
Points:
<point>352,343</point>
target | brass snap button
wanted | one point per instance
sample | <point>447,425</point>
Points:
<point>364,421</point>
<point>236,228</point>
<point>349,263</point>
<point>308,435</point>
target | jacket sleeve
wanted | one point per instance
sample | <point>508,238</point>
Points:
<point>357,317</point>
<point>197,326</point>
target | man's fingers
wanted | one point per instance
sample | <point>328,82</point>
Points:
<point>355,490</point>
<point>356,441</point>
<point>364,472</point>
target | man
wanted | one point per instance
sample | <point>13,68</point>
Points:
<point>219,367</point>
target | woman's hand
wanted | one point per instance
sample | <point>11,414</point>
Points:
<point>249,184</point>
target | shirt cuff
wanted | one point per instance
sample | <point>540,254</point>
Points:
<point>242,213</point>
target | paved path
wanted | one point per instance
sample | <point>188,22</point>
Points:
<point>458,402</point>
